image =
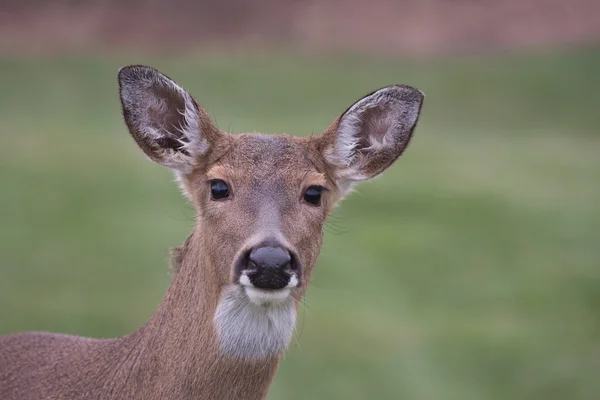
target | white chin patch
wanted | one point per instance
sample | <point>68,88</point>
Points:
<point>267,298</point>
<point>252,323</point>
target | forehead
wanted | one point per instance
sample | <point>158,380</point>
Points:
<point>267,156</point>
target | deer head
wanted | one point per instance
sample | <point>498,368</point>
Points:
<point>261,201</point>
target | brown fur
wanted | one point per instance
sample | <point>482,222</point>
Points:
<point>176,354</point>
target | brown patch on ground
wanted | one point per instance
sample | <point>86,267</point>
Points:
<point>380,26</point>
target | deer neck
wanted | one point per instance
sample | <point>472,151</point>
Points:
<point>179,348</point>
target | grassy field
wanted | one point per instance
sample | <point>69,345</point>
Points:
<point>471,270</point>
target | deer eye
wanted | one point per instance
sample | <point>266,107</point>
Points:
<point>313,195</point>
<point>218,189</point>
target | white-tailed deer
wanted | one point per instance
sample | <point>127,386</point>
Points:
<point>261,203</point>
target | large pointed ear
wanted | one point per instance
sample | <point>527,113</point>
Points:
<point>370,135</point>
<point>164,119</point>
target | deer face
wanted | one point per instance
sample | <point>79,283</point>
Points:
<point>262,200</point>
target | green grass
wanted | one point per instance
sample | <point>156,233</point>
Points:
<point>470,270</point>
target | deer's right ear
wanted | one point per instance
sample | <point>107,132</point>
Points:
<point>163,118</point>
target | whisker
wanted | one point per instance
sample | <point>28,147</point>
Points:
<point>300,304</point>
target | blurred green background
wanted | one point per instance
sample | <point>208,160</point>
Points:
<point>470,270</point>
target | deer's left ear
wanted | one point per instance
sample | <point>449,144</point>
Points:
<point>370,135</point>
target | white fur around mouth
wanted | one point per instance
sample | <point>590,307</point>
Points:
<point>264,297</point>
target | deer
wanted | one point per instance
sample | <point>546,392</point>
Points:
<point>261,202</point>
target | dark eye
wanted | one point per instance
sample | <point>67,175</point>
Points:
<point>313,195</point>
<point>218,190</point>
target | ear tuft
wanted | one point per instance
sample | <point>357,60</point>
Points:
<point>162,117</point>
<point>370,135</point>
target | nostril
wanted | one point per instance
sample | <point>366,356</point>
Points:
<point>269,257</point>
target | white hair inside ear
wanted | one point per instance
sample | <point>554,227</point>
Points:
<point>162,117</point>
<point>372,133</point>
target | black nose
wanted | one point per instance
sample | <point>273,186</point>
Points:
<point>269,257</point>
<point>270,267</point>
